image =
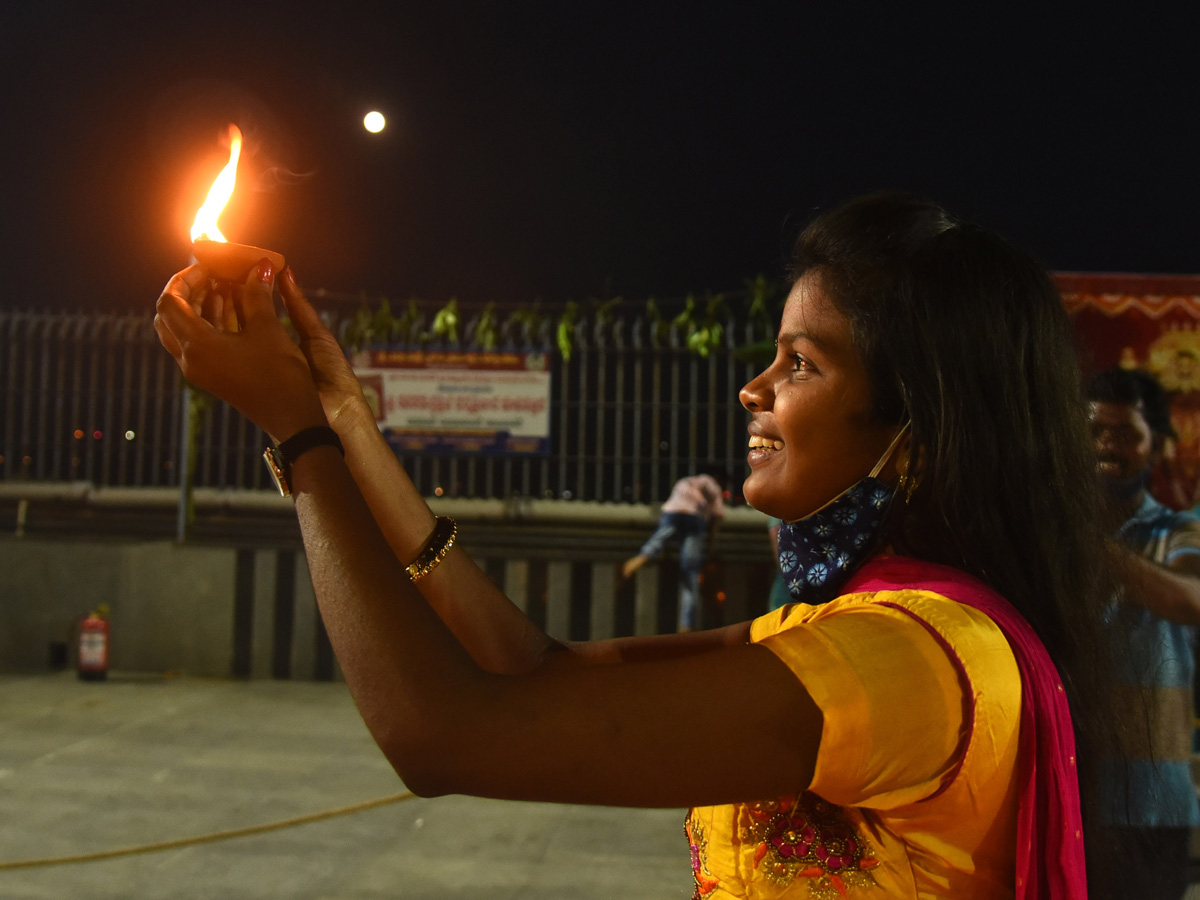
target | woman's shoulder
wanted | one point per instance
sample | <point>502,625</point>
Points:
<point>919,607</point>
<point>910,631</point>
<point>872,651</point>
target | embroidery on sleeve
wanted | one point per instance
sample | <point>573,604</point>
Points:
<point>802,837</point>
<point>698,842</point>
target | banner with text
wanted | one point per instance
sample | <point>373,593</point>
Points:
<point>458,402</point>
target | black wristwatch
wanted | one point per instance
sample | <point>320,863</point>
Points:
<point>279,458</point>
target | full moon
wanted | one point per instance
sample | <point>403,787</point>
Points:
<point>374,122</point>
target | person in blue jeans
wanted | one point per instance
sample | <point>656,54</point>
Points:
<point>690,514</point>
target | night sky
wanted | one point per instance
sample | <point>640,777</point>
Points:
<point>578,149</point>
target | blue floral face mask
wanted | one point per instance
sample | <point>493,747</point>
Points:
<point>819,552</point>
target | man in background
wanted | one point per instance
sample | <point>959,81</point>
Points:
<point>1154,813</point>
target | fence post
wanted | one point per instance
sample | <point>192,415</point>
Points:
<point>558,599</point>
<point>604,602</point>
<point>516,583</point>
<point>645,602</point>
<point>185,483</point>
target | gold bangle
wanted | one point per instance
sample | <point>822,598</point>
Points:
<point>436,548</point>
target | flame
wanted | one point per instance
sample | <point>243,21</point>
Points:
<point>205,225</point>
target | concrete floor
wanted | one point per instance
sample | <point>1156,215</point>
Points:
<point>87,767</point>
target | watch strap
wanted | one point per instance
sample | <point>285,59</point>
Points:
<point>279,458</point>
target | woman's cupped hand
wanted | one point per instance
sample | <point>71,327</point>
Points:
<point>232,344</point>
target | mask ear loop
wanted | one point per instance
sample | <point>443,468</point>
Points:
<point>887,454</point>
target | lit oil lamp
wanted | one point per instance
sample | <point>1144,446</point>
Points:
<point>224,260</point>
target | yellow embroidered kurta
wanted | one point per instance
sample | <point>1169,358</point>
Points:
<point>914,793</point>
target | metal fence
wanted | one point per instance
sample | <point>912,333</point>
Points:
<point>94,398</point>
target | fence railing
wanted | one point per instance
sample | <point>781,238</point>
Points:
<point>94,398</point>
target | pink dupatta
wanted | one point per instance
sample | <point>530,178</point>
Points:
<point>1050,855</point>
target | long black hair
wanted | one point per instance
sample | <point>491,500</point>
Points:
<point>967,337</point>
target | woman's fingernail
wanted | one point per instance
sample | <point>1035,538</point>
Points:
<point>289,275</point>
<point>266,274</point>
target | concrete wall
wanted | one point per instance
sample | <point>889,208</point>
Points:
<point>44,588</point>
<point>173,608</point>
<point>223,610</point>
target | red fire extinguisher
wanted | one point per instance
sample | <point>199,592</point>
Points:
<point>93,645</point>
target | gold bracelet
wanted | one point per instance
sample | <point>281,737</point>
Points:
<point>436,548</point>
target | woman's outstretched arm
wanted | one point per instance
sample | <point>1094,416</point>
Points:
<point>494,631</point>
<point>629,733</point>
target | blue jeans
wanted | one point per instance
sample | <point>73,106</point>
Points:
<point>694,532</point>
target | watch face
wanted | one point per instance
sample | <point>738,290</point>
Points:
<point>271,457</point>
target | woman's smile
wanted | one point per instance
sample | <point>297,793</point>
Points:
<point>762,449</point>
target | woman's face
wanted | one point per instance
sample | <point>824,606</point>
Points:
<point>812,434</point>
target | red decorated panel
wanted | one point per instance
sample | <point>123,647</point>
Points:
<point>1150,322</point>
